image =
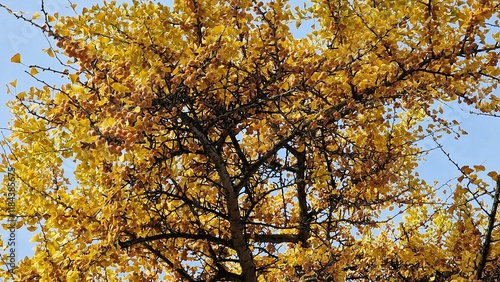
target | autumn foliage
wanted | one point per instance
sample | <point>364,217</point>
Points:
<point>213,143</point>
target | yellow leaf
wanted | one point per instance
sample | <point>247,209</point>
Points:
<point>33,107</point>
<point>493,174</point>
<point>49,52</point>
<point>13,83</point>
<point>36,16</point>
<point>35,238</point>
<point>73,77</point>
<point>301,148</point>
<point>218,29</point>
<point>108,122</point>
<point>16,58</point>
<point>33,71</point>
<point>51,18</point>
<point>59,97</point>
<point>32,228</point>
<point>479,168</point>
<point>21,95</point>
<point>101,102</point>
<point>466,169</point>
<point>120,87</point>
<point>72,276</point>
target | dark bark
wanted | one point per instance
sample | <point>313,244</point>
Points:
<point>488,236</point>
<point>237,227</point>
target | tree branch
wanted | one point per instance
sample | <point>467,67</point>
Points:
<point>487,239</point>
<point>137,240</point>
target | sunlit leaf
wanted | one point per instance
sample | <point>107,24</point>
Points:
<point>33,71</point>
<point>16,58</point>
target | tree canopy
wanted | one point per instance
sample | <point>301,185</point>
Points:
<point>213,143</point>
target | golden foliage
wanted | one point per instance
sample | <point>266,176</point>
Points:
<point>211,142</point>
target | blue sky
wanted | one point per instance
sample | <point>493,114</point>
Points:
<point>480,146</point>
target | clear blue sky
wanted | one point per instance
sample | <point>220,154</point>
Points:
<point>480,146</point>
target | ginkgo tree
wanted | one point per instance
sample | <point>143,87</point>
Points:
<point>213,144</point>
